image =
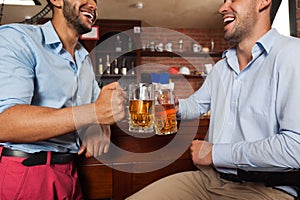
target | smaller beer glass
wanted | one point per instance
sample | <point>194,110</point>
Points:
<point>141,107</point>
<point>165,116</point>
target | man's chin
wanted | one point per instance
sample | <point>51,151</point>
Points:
<point>228,36</point>
<point>85,30</point>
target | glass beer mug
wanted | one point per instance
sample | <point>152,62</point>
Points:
<point>165,115</point>
<point>141,107</point>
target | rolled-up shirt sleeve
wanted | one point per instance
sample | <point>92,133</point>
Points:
<point>16,70</point>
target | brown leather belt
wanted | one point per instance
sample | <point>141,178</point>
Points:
<point>39,158</point>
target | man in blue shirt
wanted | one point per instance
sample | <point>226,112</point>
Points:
<point>48,95</point>
<point>253,97</point>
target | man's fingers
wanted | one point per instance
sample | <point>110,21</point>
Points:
<point>88,154</point>
<point>106,147</point>
<point>81,150</point>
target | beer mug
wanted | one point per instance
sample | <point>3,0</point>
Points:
<point>141,107</point>
<point>165,115</point>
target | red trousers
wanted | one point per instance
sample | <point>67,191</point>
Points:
<point>45,182</point>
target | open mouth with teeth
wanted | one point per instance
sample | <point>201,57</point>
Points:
<point>89,16</point>
<point>228,20</point>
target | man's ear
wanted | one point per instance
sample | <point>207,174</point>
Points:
<point>264,4</point>
<point>57,3</point>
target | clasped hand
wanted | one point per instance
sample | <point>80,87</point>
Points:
<point>201,152</point>
<point>95,140</point>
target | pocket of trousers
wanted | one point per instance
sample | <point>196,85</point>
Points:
<point>12,176</point>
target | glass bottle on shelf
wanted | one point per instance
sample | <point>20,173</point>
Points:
<point>100,66</point>
<point>180,45</point>
<point>108,67</point>
<point>118,44</point>
<point>129,44</point>
<point>124,67</point>
<point>132,68</point>
<point>115,67</point>
<point>212,46</point>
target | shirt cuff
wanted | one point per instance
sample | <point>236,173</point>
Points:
<point>222,156</point>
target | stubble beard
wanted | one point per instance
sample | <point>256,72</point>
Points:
<point>236,34</point>
<point>73,18</point>
<point>242,28</point>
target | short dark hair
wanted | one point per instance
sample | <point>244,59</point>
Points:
<point>274,8</point>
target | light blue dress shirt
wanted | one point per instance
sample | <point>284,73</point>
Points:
<point>255,113</point>
<point>35,69</point>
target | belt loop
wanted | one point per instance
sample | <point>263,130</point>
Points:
<point>1,148</point>
<point>48,158</point>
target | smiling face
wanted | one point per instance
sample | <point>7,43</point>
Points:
<point>239,18</point>
<point>80,15</point>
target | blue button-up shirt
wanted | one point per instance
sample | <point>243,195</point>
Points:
<point>35,69</point>
<point>255,113</point>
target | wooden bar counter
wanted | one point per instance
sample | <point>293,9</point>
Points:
<point>136,160</point>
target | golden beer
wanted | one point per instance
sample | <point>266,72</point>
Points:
<point>165,119</point>
<point>141,113</point>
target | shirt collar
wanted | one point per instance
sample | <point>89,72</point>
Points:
<point>266,42</point>
<point>52,39</point>
<point>50,34</point>
<point>263,45</point>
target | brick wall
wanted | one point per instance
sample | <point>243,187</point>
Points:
<point>189,36</point>
<point>184,86</point>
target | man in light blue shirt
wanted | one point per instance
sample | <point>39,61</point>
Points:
<point>49,94</point>
<point>252,95</point>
